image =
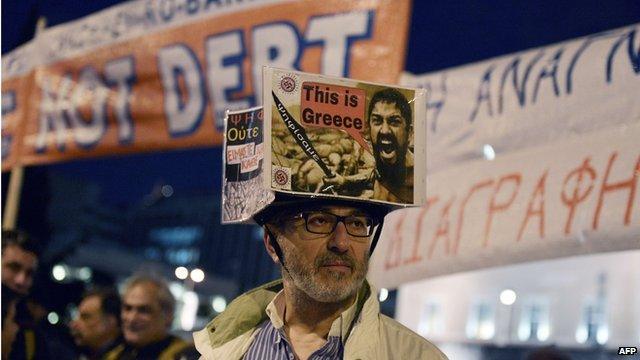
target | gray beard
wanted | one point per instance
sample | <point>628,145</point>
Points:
<point>321,285</point>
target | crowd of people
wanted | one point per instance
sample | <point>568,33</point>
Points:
<point>110,326</point>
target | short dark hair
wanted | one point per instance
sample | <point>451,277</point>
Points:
<point>22,240</point>
<point>109,300</point>
<point>393,96</point>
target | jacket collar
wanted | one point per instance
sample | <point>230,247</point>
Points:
<point>248,311</point>
<point>243,314</point>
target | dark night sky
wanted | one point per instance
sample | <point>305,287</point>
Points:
<point>443,34</point>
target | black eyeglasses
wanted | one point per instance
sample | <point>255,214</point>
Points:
<point>322,222</point>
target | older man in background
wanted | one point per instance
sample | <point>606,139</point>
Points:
<point>147,314</point>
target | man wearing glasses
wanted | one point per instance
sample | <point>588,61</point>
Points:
<point>323,308</point>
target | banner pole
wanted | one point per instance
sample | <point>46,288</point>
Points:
<point>13,198</point>
<point>14,190</point>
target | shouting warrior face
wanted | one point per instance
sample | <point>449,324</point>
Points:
<point>389,134</point>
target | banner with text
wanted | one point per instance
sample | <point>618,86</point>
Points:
<point>530,156</point>
<point>157,75</point>
<point>570,198</point>
<point>531,98</point>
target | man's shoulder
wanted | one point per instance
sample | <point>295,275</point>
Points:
<point>401,337</point>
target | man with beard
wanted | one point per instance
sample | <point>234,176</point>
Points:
<point>389,120</point>
<point>323,308</point>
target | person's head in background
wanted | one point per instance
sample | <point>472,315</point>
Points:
<point>20,254</point>
<point>147,310</point>
<point>98,322</point>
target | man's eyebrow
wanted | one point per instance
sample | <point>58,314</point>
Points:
<point>354,212</point>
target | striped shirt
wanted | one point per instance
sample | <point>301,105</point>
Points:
<point>271,343</point>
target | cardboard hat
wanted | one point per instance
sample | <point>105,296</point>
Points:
<point>324,140</point>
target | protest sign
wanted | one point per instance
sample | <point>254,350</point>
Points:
<point>242,192</point>
<point>338,137</point>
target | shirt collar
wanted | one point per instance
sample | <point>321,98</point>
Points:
<point>339,327</point>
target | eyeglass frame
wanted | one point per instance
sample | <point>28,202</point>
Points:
<point>304,215</point>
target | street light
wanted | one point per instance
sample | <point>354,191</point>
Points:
<point>219,304</point>
<point>197,275</point>
<point>508,297</point>
<point>59,272</point>
<point>384,294</point>
<point>182,272</point>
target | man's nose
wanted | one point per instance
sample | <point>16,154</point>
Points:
<point>126,316</point>
<point>339,242</point>
<point>21,279</point>
<point>385,127</point>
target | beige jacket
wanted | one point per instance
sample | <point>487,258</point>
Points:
<point>374,336</point>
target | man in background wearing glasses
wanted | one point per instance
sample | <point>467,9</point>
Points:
<point>323,308</point>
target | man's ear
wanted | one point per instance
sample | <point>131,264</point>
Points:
<point>267,244</point>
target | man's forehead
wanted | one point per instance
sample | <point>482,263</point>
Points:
<point>90,303</point>
<point>386,106</point>
<point>16,253</point>
<point>141,295</point>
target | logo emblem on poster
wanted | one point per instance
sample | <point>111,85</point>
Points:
<point>281,178</point>
<point>288,83</point>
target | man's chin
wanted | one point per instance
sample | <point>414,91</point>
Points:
<point>132,338</point>
<point>334,293</point>
<point>333,286</point>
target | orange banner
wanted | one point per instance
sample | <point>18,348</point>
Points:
<point>167,86</point>
<point>15,93</point>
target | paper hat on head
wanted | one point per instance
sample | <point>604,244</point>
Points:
<point>320,139</point>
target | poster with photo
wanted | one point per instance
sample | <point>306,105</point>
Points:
<point>328,136</point>
<point>242,192</point>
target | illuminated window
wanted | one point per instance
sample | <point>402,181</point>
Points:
<point>534,320</point>
<point>431,322</point>
<point>593,328</point>
<point>481,321</point>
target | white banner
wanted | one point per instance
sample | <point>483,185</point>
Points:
<point>561,127</point>
<point>573,197</point>
<point>531,98</point>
